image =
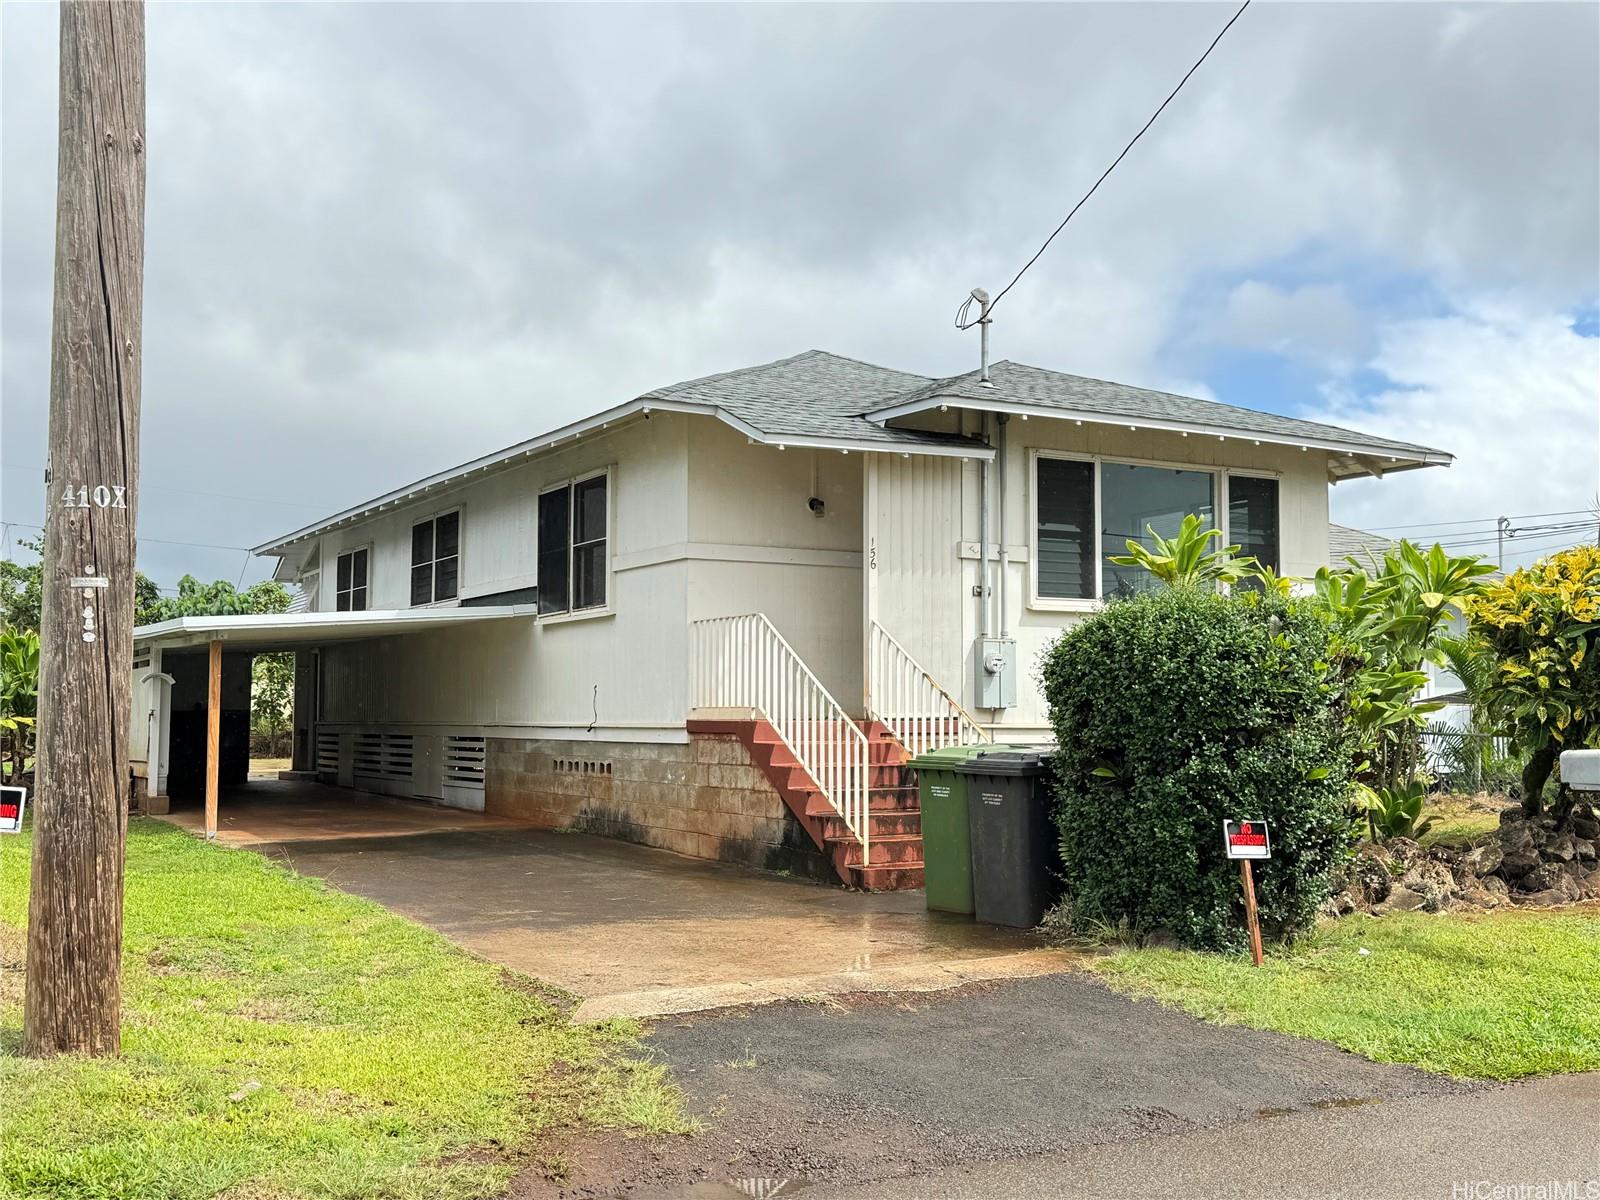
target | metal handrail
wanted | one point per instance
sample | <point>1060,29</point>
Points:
<point>744,662</point>
<point>920,713</point>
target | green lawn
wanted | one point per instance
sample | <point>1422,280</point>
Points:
<point>1498,995</point>
<point>282,1039</point>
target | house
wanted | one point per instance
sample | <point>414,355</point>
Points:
<point>719,617</point>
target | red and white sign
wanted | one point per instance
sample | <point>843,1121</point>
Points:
<point>1246,839</point>
<point>12,801</point>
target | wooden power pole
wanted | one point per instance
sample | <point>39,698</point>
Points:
<point>74,976</point>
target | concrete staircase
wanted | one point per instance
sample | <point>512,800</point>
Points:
<point>894,812</point>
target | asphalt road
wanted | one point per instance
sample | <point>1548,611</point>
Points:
<point>1524,1140</point>
<point>1020,1088</point>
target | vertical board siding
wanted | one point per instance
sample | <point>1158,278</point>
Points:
<point>916,531</point>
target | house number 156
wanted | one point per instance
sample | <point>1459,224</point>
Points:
<point>98,497</point>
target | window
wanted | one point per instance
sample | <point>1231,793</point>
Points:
<point>1087,511</point>
<point>350,590</point>
<point>1253,517</point>
<point>1135,500</point>
<point>435,558</point>
<point>1066,529</point>
<point>573,524</point>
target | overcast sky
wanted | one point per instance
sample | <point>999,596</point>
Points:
<point>383,239</point>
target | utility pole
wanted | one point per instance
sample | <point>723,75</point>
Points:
<point>73,992</point>
<point>1503,530</point>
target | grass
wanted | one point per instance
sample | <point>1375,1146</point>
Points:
<point>1460,819</point>
<point>1499,995</point>
<point>282,1039</point>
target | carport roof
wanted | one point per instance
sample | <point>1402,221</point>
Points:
<point>283,631</point>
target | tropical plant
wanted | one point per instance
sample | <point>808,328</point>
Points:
<point>19,697</point>
<point>1396,811</point>
<point>1468,755</point>
<point>1387,627</point>
<point>218,599</point>
<point>271,699</point>
<point>1542,624</point>
<point>1187,558</point>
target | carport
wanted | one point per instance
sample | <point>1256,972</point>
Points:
<point>191,690</point>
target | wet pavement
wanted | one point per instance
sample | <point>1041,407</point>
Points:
<point>840,1097</point>
<point>266,811</point>
<point>629,930</point>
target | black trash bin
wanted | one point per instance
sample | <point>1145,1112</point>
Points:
<point>1016,848</point>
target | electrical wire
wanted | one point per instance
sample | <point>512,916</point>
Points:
<point>1488,522</point>
<point>961,315</point>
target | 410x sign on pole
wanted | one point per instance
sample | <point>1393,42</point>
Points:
<point>1247,840</point>
<point>73,991</point>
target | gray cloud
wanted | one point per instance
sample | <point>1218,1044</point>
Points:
<point>383,238</point>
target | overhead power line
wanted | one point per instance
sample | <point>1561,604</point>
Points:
<point>1487,522</point>
<point>1142,130</point>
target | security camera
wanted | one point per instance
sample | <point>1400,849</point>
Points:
<point>816,505</point>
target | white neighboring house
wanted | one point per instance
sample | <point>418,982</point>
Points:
<point>717,617</point>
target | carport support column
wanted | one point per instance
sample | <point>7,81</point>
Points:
<point>213,736</point>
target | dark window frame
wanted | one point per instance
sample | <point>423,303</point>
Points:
<point>438,591</point>
<point>1221,500</point>
<point>560,597</point>
<point>345,587</point>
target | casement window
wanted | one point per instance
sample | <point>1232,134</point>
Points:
<point>574,520</point>
<point>1086,511</point>
<point>350,580</point>
<point>436,558</point>
<point>1253,517</point>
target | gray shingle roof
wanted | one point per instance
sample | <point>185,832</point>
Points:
<point>1019,384</point>
<point>1345,542</point>
<point>814,394</point>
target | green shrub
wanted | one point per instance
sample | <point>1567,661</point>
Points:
<point>1177,709</point>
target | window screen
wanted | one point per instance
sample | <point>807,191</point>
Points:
<point>1066,529</point>
<point>554,549</point>
<point>436,558</point>
<point>1253,518</point>
<point>350,581</point>
<point>589,543</point>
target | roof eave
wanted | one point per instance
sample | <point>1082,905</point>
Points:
<point>1424,457</point>
<point>643,406</point>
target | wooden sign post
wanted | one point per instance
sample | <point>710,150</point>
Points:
<point>1246,840</point>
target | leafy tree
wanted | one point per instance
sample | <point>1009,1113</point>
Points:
<point>1543,625</point>
<point>219,599</point>
<point>272,698</point>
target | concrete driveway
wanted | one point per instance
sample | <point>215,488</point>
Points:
<point>635,931</point>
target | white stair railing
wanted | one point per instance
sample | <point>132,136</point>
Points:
<point>743,662</point>
<point>920,713</point>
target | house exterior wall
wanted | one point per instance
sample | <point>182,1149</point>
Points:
<point>756,546</point>
<point>620,670</point>
<point>703,798</point>
<point>904,580</point>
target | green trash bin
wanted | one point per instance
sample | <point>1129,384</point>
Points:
<point>946,829</point>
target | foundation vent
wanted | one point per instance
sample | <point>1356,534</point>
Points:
<point>463,762</point>
<point>328,753</point>
<point>583,766</point>
<point>383,755</point>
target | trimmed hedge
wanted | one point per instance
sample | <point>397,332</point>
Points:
<point>1200,707</point>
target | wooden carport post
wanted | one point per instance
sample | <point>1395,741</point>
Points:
<point>213,736</point>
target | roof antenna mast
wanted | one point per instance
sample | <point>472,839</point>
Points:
<point>982,297</point>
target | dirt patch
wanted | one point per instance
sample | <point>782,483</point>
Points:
<point>848,1090</point>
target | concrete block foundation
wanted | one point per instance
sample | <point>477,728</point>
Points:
<point>705,798</point>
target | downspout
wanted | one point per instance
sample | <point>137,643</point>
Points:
<point>983,539</point>
<point>1000,469</point>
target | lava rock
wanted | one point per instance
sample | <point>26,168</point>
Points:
<point>1401,899</point>
<point>1543,878</point>
<point>1515,837</point>
<point>1481,860</point>
<point>1517,863</point>
<point>1561,848</point>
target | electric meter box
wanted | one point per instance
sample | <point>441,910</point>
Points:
<point>1580,769</point>
<point>995,668</point>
